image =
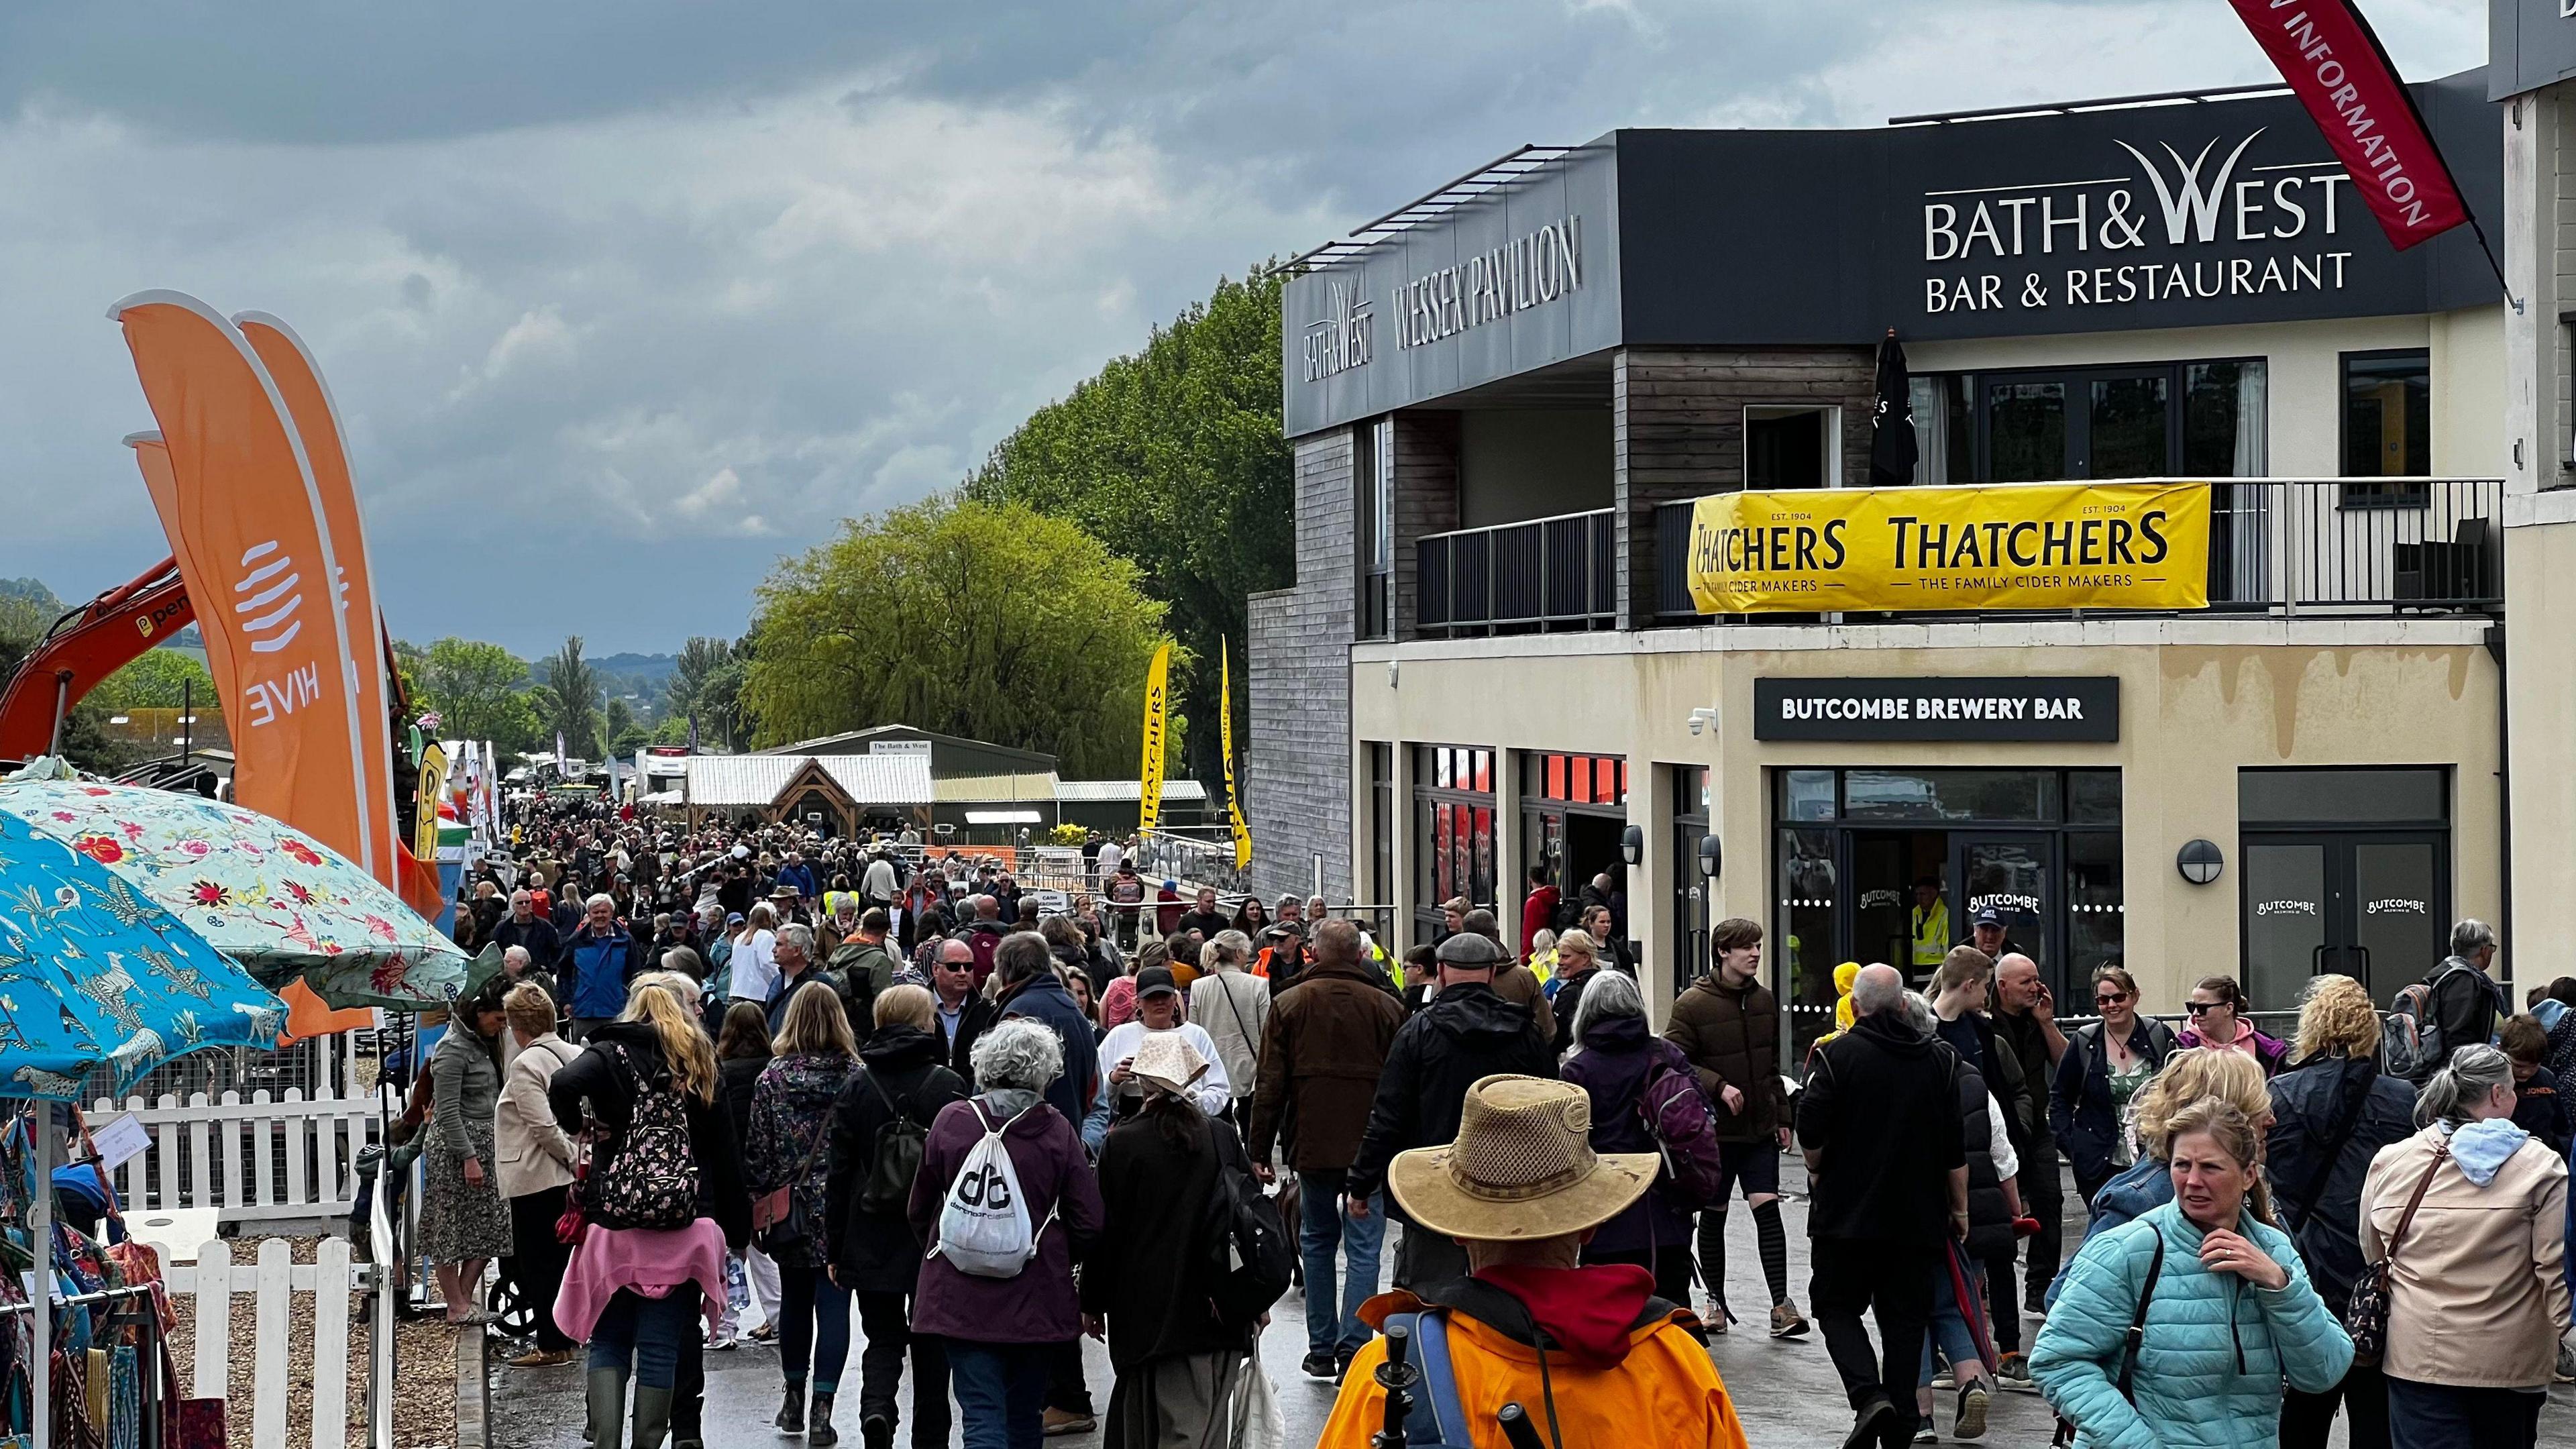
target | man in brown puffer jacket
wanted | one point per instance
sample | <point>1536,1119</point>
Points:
<point>1728,1024</point>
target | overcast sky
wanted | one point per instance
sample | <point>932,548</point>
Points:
<point>623,301</point>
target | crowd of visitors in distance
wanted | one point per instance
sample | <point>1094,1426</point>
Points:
<point>855,1081</point>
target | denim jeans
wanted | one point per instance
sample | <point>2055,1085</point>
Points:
<point>814,1313</point>
<point>1001,1393</point>
<point>1322,1226</point>
<point>646,1335</point>
<point>1955,1325</point>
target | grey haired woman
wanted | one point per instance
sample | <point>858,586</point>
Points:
<point>2477,1283</point>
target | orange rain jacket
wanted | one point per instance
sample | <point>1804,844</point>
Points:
<point>1663,1378</point>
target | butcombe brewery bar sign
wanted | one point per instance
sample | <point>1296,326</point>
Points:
<point>2077,709</point>
<point>2012,546</point>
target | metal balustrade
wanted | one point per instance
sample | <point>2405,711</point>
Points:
<point>1540,575</point>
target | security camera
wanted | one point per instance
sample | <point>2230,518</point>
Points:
<point>1701,718</point>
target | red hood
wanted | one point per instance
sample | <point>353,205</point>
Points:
<point>1588,1311</point>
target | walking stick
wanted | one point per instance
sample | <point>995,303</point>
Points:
<point>1518,1431</point>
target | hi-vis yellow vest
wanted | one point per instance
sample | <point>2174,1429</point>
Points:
<point>1931,934</point>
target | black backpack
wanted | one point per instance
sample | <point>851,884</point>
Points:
<point>1249,1252</point>
<point>887,1192</point>
<point>653,1180</point>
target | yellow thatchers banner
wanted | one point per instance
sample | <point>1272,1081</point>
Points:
<point>1149,777</point>
<point>1225,743</point>
<point>2012,546</point>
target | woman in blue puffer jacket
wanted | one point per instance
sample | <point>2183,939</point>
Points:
<point>2229,1313</point>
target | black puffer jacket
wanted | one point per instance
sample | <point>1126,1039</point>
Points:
<point>2309,1109</point>
<point>1466,1033</point>
<point>593,1088</point>
<point>1990,1229</point>
<point>875,1253</point>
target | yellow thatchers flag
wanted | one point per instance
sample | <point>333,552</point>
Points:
<point>433,784</point>
<point>2014,546</point>
<point>1225,742</point>
<point>1149,779</point>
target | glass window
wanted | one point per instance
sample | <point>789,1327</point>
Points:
<point>1688,920</point>
<point>2094,915</point>
<point>1575,779</point>
<point>2128,422</point>
<point>2222,420</point>
<point>1807,795</point>
<point>2341,797</point>
<point>1786,450</point>
<point>2387,417</point>
<point>2025,431</point>
<point>2092,797</point>
<point>1803,954</point>
<point>1950,794</point>
<point>2285,919</point>
<point>1381,778</point>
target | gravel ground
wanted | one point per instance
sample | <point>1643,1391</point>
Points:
<point>424,1364</point>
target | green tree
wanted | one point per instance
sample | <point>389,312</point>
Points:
<point>159,679</point>
<point>1174,458</point>
<point>625,733</point>
<point>571,700</point>
<point>706,682</point>
<point>24,618</point>
<point>989,621</point>
<point>479,691</point>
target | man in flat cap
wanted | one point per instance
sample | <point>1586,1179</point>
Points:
<point>1468,1032</point>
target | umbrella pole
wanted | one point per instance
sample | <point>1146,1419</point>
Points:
<point>40,1311</point>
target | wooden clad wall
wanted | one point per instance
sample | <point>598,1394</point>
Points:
<point>1678,428</point>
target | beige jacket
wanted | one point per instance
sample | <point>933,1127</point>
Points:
<point>2477,1292</point>
<point>535,1154</point>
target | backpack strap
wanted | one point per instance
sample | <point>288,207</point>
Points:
<point>1427,1349</point>
<point>2137,1334</point>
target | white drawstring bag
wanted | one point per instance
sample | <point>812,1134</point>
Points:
<point>984,1225</point>
<point>1256,1417</point>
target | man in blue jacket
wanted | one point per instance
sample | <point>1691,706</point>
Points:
<point>598,961</point>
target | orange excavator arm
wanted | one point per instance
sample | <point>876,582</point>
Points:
<point>85,646</point>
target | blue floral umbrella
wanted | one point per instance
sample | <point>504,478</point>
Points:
<point>96,980</point>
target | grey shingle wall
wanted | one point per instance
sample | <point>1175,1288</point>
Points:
<point>1298,757</point>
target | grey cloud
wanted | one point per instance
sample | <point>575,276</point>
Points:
<point>623,302</point>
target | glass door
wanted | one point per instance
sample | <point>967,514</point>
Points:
<point>2015,875</point>
<point>2286,907</point>
<point>2373,907</point>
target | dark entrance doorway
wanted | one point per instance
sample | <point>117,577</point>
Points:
<point>1852,845</point>
<point>1573,810</point>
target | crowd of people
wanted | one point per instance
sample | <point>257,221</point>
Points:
<point>1010,1118</point>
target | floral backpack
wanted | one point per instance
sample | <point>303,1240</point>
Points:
<point>653,1181</point>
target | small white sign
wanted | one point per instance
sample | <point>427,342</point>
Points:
<point>900,747</point>
<point>120,1140</point>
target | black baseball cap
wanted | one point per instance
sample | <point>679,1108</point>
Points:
<point>1990,917</point>
<point>1154,981</point>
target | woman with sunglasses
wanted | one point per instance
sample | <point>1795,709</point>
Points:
<point>2106,1062</point>
<point>2217,1009</point>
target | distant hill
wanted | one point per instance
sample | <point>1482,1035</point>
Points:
<point>33,591</point>
<point>641,677</point>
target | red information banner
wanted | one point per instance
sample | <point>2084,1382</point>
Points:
<point>2326,52</point>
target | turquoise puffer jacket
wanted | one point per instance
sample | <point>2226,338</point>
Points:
<point>2216,1347</point>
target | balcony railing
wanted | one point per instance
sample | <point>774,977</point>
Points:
<point>1545,574</point>
<point>2277,546</point>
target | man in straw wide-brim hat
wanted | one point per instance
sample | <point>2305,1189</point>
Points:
<point>1590,1354</point>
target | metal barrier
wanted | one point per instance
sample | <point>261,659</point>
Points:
<point>1546,573</point>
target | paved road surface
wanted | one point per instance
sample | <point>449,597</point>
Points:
<point>1785,1392</point>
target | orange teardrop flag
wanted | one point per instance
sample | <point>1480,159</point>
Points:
<point>317,422</point>
<point>154,461</point>
<point>255,546</point>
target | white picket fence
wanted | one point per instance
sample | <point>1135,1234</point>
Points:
<point>267,1156</point>
<point>290,1301</point>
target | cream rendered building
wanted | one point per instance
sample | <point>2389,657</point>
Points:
<point>1504,399</point>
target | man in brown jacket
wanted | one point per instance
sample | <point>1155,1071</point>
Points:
<point>1322,1051</point>
<point>1514,981</point>
<point>1728,1024</point>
